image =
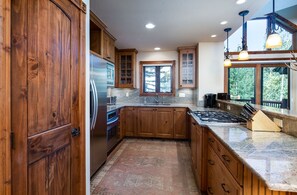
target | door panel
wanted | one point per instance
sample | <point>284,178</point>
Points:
<point>45,97</point>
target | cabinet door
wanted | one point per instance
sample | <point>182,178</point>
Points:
<point>194,146</point>
<point>147,122</point>
<point>111,48</point>
<point>180,123</point>
<point>105,45</point>
<point>199,151</point>
<point>126,60</point>
<point>187,67</point>
<point>130,124</point>
<point>164,123</point>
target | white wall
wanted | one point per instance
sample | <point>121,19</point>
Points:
<point>157,56</point>
<point>87,127</point>
<point>210,68</point>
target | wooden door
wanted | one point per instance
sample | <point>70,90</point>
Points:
<point>47,157</point>
<point>164,123</point>
<point>147,122</point>
<point>129,121</point>
<point>180,123</point>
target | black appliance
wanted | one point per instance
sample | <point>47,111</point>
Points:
<point>209,100</point>
<point>218,116</point>
<point>113,133</point>
<point>223,96</point>
<point>98,109</point>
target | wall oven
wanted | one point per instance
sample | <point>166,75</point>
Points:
<point>113,134</point>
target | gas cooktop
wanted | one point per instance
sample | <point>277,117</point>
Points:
<point>218,116</point>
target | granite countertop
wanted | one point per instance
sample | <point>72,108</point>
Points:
<point>270,155</point>
<point>171,105</point>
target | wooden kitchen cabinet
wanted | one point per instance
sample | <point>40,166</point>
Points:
<point>164,123</point>
<point>187,67</point>
<point>125,68</point>
<point>199,154</point>
<point>108,47</point>
<point>129,121</point>
<point>146,122</point>
<point>180,123</point>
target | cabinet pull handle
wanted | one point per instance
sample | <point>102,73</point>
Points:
<point>210,140</point>
<point>209,189</point>
<point>225,190</point>
<point>226,158</point>
<point>211,162</point>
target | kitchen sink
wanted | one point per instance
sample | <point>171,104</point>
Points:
<point>157,104</point>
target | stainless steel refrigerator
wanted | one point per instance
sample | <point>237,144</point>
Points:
<point>98,93</point>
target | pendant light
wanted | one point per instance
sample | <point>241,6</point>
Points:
<point>244,55</point>
<point>227,61</point>
<point>273,40</point>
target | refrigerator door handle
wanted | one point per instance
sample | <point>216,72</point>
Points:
<point>94,105</point>
<point>96,102</point>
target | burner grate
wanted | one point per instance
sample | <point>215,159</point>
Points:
<point>218,116</point>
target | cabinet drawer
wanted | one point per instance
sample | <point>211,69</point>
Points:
<point>220,181</point>
<point>229,160</point>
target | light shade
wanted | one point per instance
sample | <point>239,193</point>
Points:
<point>274,41</point>
<point>227,62</point>
<point>243,55</point>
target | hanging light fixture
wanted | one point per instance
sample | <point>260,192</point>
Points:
<point>227,61</point>
<point>244,55</point>
<point>273,40</point>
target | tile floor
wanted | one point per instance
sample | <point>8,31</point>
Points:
<point>144,166</point>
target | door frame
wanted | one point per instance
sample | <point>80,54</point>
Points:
<point>5,119</point>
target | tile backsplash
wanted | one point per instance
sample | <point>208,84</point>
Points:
<point>182,96</point>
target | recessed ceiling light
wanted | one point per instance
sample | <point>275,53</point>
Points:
<point>157,48</point>
<point>213,36</point>
<point>149,26</point>
<point>240,1</point>
<point>223,22</point>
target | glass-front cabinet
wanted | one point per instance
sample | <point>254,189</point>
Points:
<point>187,67</point>
<point>126,68</point>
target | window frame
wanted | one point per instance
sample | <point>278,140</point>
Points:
<point>258,79</point>
<point>156,63</point>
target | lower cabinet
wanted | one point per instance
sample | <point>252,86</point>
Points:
<point>154,122</point>
<point>199,154</point>
<point>220,180</point>
<point>146,122</point>
<point>180,123</point>
<point>129,121</point>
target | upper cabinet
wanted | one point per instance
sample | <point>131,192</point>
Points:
<point>101,41</point>
<point>108,47</point>
<point>187,67</point>
<point>126,62</point>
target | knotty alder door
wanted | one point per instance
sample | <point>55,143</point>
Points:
<point>45,97</point>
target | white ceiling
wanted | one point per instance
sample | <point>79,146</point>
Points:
<point>178,22</point>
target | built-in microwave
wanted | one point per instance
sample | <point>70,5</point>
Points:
<point>110,75</point>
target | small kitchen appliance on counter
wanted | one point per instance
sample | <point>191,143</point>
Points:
<point>223,96</point>
<point>209,100</point>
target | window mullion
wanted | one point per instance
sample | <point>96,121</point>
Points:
<point>157,79</point>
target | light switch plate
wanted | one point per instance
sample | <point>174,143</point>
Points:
<point>182,95</point>
<point>127,94</point>
<point>228,107</point>
<point>219,105</point>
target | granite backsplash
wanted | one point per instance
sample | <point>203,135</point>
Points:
<point>125,95</point>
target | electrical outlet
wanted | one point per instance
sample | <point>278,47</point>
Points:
<point>278,122</point>
<point>127,94</point>
<point>228,107</point>
<point>219,105</point>
<point>182,95</point>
